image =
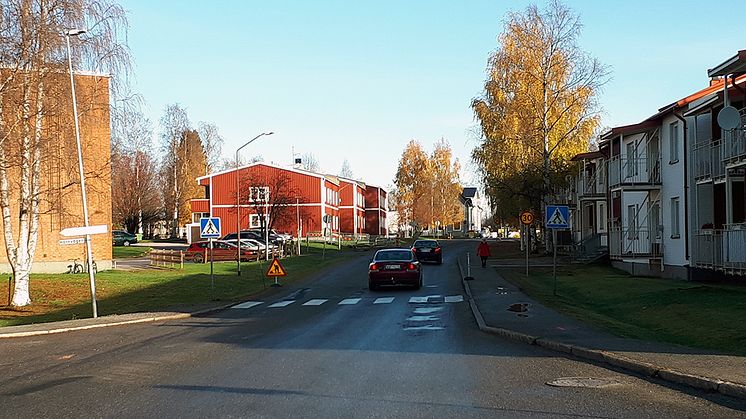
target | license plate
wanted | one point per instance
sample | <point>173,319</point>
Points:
<point>425,250</point>
<point>392,266</point>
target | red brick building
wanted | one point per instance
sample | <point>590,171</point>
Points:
<point>292,199</point>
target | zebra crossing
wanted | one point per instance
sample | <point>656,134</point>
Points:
<point>428,299</point>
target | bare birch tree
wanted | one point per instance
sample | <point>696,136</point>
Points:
<point>212,142</point>
<point>34,65</point>
<point>174,124</point>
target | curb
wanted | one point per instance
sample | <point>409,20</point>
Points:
<point>175,316</point>
<point>605,357</point>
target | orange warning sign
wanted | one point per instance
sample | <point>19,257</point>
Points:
<point>275,269</point>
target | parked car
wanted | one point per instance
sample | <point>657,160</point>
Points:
<point>394,267</point>
<point>245,234</point>
<point>428,250</point>
<point>199,252</point>
<point>122,238</point>
<point>274,236</point>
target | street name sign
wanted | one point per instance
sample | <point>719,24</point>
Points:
<point>557,216</point>
<point>82,231</point>
<point>209,228</point>
<point>78,240</point>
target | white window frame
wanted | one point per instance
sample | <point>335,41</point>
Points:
<point>673,142</point>
<point>675,218</point>
<point>255,221</point>
<point>631,159</point>
<point>632,227</point>
<point>259,194</point>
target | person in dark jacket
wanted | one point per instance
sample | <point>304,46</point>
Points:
<point>483,251</point>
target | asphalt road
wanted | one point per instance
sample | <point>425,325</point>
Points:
<point>329,348</point>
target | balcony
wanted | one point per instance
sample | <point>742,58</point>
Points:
<point>734,146</point>
<point>721,249</point>
<point>708,161</point>
<point>631,243</point>
<point>635,171</point>
<point>591,185</point>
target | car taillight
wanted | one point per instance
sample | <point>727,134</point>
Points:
<point>373,267</point>
<point>412,267</point>
<point>437,250</point>
<point>414,249</point>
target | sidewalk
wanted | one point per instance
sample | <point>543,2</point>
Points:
<point>497,306</point>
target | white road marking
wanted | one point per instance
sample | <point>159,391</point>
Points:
<point>454,298</point>
<point>384,300</point>
<point>282,303</point>
<point>315,302</point>
<point>424,328</point>
<point>415,300</point>
<point>422,318</point>
<point>247,304</point>
<point>427,310</point>
<point>349,301</point>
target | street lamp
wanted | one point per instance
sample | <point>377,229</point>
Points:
<point>238,203</point>
<point>88,246</point>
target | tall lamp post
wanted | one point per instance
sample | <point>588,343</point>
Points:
<point>88,246</point>
<point>238,202</point>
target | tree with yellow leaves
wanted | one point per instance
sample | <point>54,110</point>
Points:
<point>413,186</point>
<point>539,107</point>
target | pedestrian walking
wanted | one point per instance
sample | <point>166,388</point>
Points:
<point>483,251</point>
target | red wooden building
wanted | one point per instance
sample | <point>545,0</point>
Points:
<point>376,206</point>
<point>291,199</point>
<point>351,206</point>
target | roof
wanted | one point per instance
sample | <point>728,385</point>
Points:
<point>289,169</point>
<point>733,65</point>
<point>630,129</point>
<point>588,155</point>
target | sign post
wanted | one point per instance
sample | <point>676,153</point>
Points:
<point>276,270</point>
<point>557,217</point>
<point>209,228</point>
<point>527,217</point>
<point>86,231</point>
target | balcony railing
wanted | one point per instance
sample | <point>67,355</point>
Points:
<point>589,184</point>
<point>634,170</point>
<point>734,145</point>
<point>721,249</point>
<point>708,160</point>
<point>634,242</point>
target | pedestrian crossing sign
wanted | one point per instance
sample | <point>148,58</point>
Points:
<point>557,216</point>
<point>276,269</point>
<point>209,228</point>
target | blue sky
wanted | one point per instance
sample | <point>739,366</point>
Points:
<point>357,80</point>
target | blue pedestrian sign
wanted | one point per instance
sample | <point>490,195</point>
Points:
<point>209,228</point>
<point>557,216</point>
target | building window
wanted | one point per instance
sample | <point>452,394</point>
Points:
<point>675,224</point>
<point>632,222</point>
<point>255,220</point>
<point>197,215</point>
<point>673,142</point>
<point>601,216</point>
<point>654,221</point>
<point>259,194</point>
<point>631,159</point>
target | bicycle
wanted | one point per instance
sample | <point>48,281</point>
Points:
<point>75,268</point>
<point>95,268</point>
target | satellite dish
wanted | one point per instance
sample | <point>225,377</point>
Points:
<point>729,118</point>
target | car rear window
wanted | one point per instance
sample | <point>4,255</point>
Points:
<point>426,243</point>
<point>394,255</point>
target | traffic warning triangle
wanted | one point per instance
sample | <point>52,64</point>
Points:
<point>276,269</point>
<point>557,218</point>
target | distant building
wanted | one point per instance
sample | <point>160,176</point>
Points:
<point>473,212</point>
<point>376,210</point>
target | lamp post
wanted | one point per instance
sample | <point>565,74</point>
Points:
<point>88,246</point>
<point>238,202</point>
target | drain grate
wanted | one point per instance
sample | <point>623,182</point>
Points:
<point>586,382</point>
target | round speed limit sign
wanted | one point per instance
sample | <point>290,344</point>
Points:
<point>527,217</point>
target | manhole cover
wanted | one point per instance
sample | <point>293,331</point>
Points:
<point>587,382</point>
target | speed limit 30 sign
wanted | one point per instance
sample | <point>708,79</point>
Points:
<point>527,217</point>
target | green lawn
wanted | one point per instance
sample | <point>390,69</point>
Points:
<point>701,315</point>
<point>119,252</point>
<point>64,297</point>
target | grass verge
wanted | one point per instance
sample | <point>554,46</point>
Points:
<point>121,252</point>
<point>699,315</point>
<point>67,296</point>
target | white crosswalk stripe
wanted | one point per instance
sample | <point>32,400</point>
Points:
<point>315,302</point>
<point>349,301</point>
<point>247,304</point>
<point>384,300</point>
<point>282,303</point>
<point>416,300</point>
<point>454,298</point>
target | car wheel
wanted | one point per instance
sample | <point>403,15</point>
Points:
<point>440,261</point>
<point>126,243</point>
<point>372,286</point>
<point>198,258</point>
<point>419,284</point>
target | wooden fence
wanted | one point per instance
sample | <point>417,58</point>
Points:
<point>167,258</point>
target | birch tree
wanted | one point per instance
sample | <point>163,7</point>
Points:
<point>34,65</point>
<point>174,124</point>
<point>212,143</point>
<point>414,185</point>
<point>539,106</point>
<point>446,185</point>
